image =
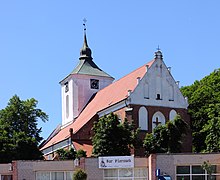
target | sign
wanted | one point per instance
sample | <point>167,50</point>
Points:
<point>157,172</point>
<point>116,162</point>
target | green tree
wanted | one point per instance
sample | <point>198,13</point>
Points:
<point>19,134</point>
<point>166,138</point>
<point>212,131</point>
<point>80,153</point>
<point>65,154</point>
<point>112,138</point>
<point>204,108</point>
<point>79,174</point>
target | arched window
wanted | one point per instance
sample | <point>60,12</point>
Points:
<point>143,118</point>
<point>172,115</point>
<point>158,118</point>
<point>67,106</point>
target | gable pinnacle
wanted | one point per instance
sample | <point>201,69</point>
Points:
<point>158,54</point>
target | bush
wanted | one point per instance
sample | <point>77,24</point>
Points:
<point>79,174</point>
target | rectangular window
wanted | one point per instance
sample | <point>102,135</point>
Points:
<point>69,175</point>
<point>215,177</point>
<point>196,172</point>
<point>44,175</point>
<point>126,174</point>
<point>6,177</point>
<point>158,97</point>
<point>216,169</point>
<point>198,177</point>
<point>140,172</point>
<point>57,175</point>
<point>183,170</point>
<point>183,178</point>
<point>110,173</point>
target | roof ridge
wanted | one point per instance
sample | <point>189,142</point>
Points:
<point>80,66</point>
<point>150,62</point>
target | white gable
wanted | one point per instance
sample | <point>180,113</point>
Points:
<point>158,88</point>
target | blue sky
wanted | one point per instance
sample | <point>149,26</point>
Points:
<point>40,43</point>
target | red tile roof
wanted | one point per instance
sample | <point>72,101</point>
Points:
<point>104,98</point>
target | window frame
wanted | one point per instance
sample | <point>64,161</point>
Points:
<point>133,177</point>
<point>50,173</point>
<point>191,174</point>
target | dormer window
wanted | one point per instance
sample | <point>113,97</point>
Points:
<point>66,87</point>
<point>94,84</point>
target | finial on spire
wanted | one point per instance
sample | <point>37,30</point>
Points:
<point>85,52</point>
<point>84,24</point>
<point>158,48</point>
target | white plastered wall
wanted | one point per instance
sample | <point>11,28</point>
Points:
<point>158,80</point>
<point>79,94</point>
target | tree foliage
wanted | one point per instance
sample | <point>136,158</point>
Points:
<point>204,109</point>
<point>112,138</point>
<point>19,134</point>
<point>80,153</point>
<point>166,138</point>
<point>66,154</point>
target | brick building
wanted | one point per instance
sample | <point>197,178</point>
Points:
<point>177,166</point>
<point>149,95</point>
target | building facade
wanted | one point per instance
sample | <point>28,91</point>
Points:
<point>172,166</point>
<point>148,95</point>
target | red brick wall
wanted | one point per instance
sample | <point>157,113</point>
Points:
<point>85,133</point>
<point>152,166</point>
<point>15,170</point>
<point>134,115</point>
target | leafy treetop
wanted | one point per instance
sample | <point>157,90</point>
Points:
<point>19,134</point>
<point>112,137</point>
<point>204,109</point>
<point>166,138</point>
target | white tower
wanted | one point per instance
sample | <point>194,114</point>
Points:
<point>81,84</point>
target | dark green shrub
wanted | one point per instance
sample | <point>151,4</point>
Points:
<point>79,174</point>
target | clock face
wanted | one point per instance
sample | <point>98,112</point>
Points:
<point>94,83</point>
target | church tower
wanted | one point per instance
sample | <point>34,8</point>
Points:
<point>81,84</point>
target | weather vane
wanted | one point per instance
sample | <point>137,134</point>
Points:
<point>84,24</point>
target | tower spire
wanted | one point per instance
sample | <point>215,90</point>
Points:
<point>85,52</point>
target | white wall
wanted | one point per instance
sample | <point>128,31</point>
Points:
<point>79,94</point>
<point>158,80</point>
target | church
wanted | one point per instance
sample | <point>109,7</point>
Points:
<point>148,95</point>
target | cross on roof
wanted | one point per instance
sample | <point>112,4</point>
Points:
<point>158,48</point>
